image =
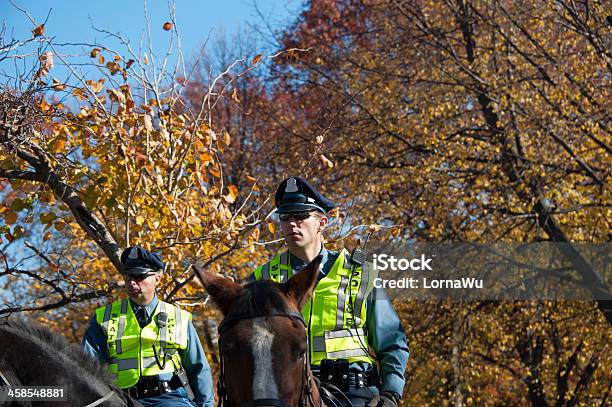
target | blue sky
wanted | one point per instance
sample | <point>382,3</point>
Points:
<point>71,21</point>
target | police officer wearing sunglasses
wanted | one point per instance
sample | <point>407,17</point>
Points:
<point>357,327</point>
<point>150,346</point>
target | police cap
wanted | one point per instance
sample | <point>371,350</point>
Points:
<point>137,261</point>
<point>296,195</point>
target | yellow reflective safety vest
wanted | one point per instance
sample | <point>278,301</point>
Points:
<point>336,332</point>
<point>130,348</point>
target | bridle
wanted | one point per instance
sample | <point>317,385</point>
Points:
<point>306,395</point>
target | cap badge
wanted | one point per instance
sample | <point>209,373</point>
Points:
<point>291,185</point>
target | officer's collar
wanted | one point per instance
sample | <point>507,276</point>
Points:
<point>297,263</point>
<point>150,308</point>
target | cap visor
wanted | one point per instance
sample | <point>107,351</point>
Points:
<point>138,271</point>
<point>298,207</point>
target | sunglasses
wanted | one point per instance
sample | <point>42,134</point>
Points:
<point>284,217</point>
<point>138,277</point>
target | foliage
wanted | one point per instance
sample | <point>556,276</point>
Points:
<point>461,120</point>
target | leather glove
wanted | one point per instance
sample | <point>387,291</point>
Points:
<point>385,399</point>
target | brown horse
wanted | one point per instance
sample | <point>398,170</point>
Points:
<point>263,341</point>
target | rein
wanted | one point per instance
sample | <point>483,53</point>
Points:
<point>102,399</point>
<point>306,388</point>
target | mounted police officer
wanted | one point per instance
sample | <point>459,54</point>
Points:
<point>150,346</point>
<point>347,317</point>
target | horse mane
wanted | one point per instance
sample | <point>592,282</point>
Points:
<point>261,297</point>
<point>56,343</point>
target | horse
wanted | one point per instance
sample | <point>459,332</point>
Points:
<point>33,355</point>
<point>263,342</point>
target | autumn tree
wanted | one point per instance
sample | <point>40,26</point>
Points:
<point>90,165</point>
<point>468,121</point>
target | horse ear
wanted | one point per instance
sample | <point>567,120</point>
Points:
<point>300,286</point>
<point>222,290</point>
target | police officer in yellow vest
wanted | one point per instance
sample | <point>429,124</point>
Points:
<point>150,346</point>
<point>352,326</point>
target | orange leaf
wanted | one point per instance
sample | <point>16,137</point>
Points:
<point>233,191</point>
<point>94,52</point>
<point>326,161</point>
<point>10,218</point>
<point>57,145</point>
<point>57,85</point>
<point>256,59</point>
<point>167,26</point>
<point>271,227</point>
<point>250,179</point>
<point>374,228</point>
<point>38,31</point>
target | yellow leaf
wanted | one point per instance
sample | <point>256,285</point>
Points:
<point>101,59</point>
<point>271,227</point>
<point>334,213</point>
<point>250,179</point>
<point>46,218</point>
<point>38,31</point>
<point>140,220</point>
<point>193,220</point>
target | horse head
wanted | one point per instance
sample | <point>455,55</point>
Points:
<point>263,340</point>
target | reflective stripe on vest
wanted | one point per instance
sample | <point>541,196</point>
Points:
<point>333,332</point>
<point>130,348</point>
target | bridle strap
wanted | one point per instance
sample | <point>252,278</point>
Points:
<point>4,379</point>
<point>102,399</point>
<point>235,318</point>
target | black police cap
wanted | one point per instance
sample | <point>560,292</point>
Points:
<point>296,195</point>
<point>137,261</point>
